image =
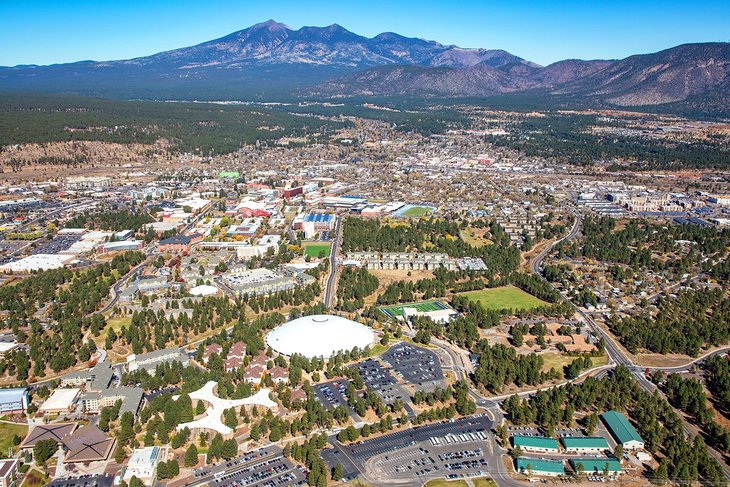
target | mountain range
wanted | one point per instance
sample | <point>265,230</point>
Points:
<point>270,60</point>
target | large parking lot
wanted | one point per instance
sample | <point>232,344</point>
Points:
<point>354,457</point>
<point>427,460</point>
<point>382,382</point>
<point>59,243</point>
<point>333,394</point>
<point>417,366</point>
<point>266,467</point>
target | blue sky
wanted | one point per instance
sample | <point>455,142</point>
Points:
<point>46,32</point>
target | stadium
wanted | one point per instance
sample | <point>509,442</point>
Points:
<point>436,310</point>
<point>319,336</point>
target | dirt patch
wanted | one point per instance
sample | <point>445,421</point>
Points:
<point>86,158</point>
<point>659,360</point>
<point>527,257</point>
<point>389,277</point>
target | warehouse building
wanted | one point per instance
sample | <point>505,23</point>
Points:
<point>36,262</point>
<point>537,444</point>
<point>585,444</point>
<point>539,467</point>
<point>622,431</point>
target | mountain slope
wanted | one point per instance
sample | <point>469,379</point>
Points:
<point>272,61</point>
<point>664,77</point>
<point>478,80</point>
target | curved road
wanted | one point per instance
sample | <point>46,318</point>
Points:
<point>616,354</point>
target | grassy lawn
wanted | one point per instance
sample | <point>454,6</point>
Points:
<point>483,482</point>
<point>416,211</point>
<point>470,237</point>
<point>559,361</point>
<point>34,478</point>
<point>507,297</point>
<point>556,360</point>
<point>113,324</point>
<point>446,483</point>
<point>313,249</point>
<point>7,431</point>
<point>378,349</point>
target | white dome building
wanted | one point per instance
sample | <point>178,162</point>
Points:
<point>319,336</point>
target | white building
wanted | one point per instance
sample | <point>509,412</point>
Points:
<point>143,464</point>
<point>83,182</point>
<point>150,361</point>
<point>319,336</point>
<point>61,401</point>
<point>37,262</point>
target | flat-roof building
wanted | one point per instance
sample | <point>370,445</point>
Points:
<point>143,464</point>
<point>61,401</point>
<point>36,262</point>
<point>622,431</point>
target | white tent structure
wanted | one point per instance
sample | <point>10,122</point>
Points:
<point>204,290</point>
<point>319,336</point>
<point>212,419</point>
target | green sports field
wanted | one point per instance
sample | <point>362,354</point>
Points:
<point>313,249</point>
<point>507,297</point>
<point>396,310</point>
<point>416,211</point>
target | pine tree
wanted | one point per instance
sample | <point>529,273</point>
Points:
<point>191,456</point>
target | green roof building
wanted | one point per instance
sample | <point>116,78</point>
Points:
<point>535,443</point>
<point>622,431</point>
<point>585,444</point>
<point>611,466</point>
<point>536,466</point>
<point>229,175</point>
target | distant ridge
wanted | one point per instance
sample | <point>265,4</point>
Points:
<point>271,60</point>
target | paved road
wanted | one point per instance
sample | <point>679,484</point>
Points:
<point>117,287</point>
<point>329,291</point>
<point>200,215</point>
